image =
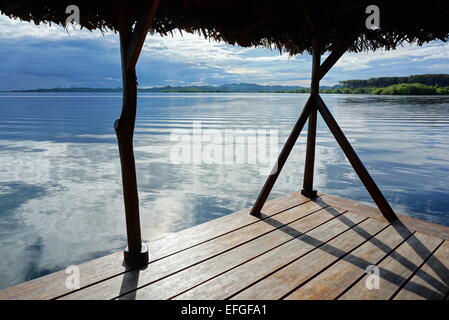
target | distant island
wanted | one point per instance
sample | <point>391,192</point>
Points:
<point>422,84</point>
<point>229,88</point>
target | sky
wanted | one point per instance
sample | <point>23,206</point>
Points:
<point>49,56</point>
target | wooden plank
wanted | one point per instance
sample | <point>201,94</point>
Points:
<point>118,285</point>
<point>189,278</point>
<point>431,282</point>
<point>414,224</point>
<point>91,272</point>
<point>281,283</point>
<point>334,281</point>
<point>96,271</point>
<point>396,268</point>
<point>220,226</point>
<point>238,279</point>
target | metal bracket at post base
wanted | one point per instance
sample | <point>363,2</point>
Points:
<point>137,258</point>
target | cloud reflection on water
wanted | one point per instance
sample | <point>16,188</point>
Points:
<point>60,186</point>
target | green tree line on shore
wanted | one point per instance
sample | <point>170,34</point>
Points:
<point>421,84</point>
<point>438,80</point>
<point>395,89</point>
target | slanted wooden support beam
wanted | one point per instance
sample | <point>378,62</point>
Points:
<point>313,104</point>
<point>355,161</point>
<point>131,42</point>
<point>140,32</point>
<point>335,55</point>
<point>285,152</point>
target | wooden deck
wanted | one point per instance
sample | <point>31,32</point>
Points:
<point>298,249</point>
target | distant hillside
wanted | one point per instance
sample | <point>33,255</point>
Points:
<point>420,84</point>
<point>234,87</point>
<point>438,80</point>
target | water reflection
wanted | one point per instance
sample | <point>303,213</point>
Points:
<point>60,188</point>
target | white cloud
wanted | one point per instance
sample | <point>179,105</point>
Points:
<point>226,63</point>
<point>413,53</point>
<point>258,65</point>
<point>16,29</point>
<point>438,67</point>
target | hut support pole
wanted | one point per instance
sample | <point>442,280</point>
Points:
<point>314,104</point>
<point>307,189</point>
<point>131,42</point>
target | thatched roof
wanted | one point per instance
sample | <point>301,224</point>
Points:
<point>275,23</point>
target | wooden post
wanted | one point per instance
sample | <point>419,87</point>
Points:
<point>307,189</point>
<point>131,42</point>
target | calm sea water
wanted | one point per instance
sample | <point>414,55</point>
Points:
<point>60,186</point>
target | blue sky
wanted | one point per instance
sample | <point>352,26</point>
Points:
<point>46,57</point>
